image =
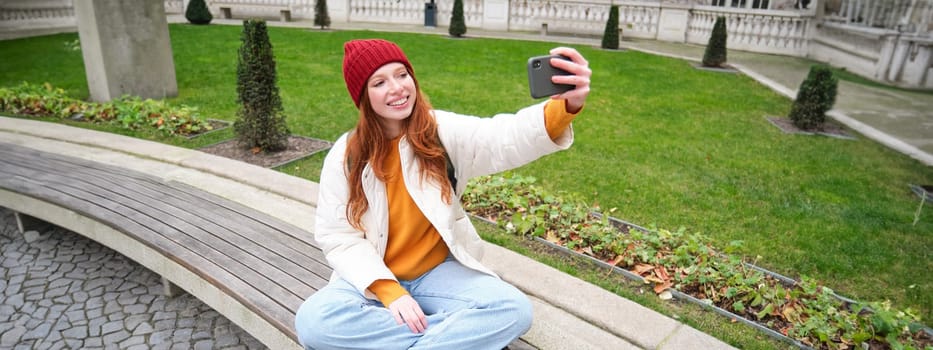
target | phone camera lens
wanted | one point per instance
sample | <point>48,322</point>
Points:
<point>536,64</point>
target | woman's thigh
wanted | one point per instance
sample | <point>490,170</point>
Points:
<point>338,316</point>
<point>451,286</point>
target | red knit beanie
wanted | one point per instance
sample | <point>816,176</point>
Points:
<point>361,58</point>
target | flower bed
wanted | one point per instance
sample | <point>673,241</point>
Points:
<point>808,313</point>
<point>129,112</point>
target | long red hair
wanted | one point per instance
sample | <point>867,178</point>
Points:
<point>369,144</point>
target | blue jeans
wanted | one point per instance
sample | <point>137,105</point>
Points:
<point>465,309</point>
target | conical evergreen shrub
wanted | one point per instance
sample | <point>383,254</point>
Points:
<point>457,22</point>
<point>611,34</point>
<point>715,55</point>
<point>198,13</point>
<point>321,18</point>
<point>816,96</point>
<point>260,119</point>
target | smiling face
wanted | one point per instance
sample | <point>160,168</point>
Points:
<point>392,93</point>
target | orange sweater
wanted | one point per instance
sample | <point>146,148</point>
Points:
<point>415,247</point>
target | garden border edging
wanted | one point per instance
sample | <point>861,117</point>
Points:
<point>619,224</point>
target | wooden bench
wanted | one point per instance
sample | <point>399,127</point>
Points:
<point>254,269</point>
<point>226,8</point>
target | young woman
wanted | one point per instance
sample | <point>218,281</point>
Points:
<point>405,255</point>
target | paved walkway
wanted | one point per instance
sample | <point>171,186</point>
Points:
<point>60,290</point>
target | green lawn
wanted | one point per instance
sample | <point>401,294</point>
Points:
<point>663,142</point>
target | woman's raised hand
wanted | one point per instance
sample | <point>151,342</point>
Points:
<point>580,77</point>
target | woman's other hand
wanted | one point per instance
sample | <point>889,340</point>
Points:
<point>580,77</point>
<point>406,310</point>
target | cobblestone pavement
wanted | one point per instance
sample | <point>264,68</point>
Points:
<point>60,290</point>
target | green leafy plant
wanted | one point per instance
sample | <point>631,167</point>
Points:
<point>816,96</point>
<point>73,45</point>
<point>198,13</point>
<point>688,262</point>
<point>715,54</point>
<point>39,100</point>
<point>457,22</point>
<point>133,112</point>
<point>128,112</point>
<point>260,119</point>
<point>611,33</point>
<point>321,17</point>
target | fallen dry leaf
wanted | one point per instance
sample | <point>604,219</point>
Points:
<point>653,279</point>
<point>661,271</point>
<point>617,260</point>
<point>641,269</point>
<point>662,287</point>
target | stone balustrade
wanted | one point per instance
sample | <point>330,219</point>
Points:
<point>778,32</point>
<point>559,16</point>
<point>39,13</point>
<point>409,11</point>
<point>885,14</point>
<point>11,15</point>
<point>639,19</point>
<point>175,6</point>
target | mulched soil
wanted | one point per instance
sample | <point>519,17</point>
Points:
<point>298,147</point>
<point>723,69</point>
<point>827,129</point>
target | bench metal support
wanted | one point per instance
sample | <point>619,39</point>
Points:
<point>26,223</point>
<point>169,289</point>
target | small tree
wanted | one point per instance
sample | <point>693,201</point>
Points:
<point>715,55</point>
<point>611,34</point>
<point>197,12</point>
<point>321,18</point>
<point>260,119</point>
<point>816,96</point>
<point>457,22</point>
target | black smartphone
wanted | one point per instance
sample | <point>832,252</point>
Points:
<point>540,72</point>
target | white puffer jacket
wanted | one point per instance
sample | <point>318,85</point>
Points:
<point>476,147</point>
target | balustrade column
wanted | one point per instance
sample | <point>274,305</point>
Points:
<point>850,9</point>
<point>496,15</point>
<point>338,10</point>
<point>673,22</point>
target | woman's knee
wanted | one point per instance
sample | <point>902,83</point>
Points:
<point>514,310</point>
<point>523,314</point>
<point>308,322</point>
